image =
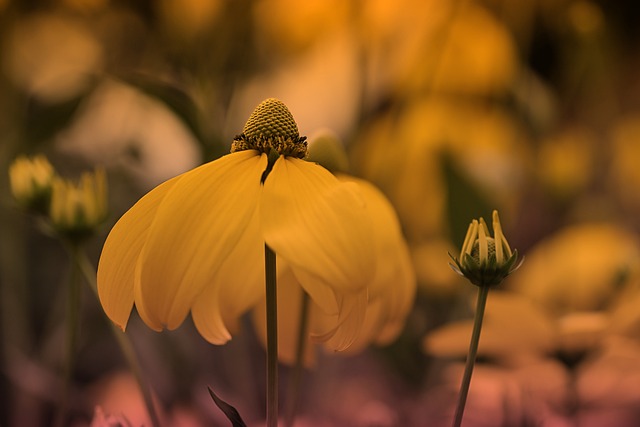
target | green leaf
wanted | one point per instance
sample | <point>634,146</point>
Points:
<point>231,412</point>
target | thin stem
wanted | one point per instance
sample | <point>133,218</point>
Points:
<point>272,336</point>
<point>126,347</point>
<point>471,357</point>
<point>74,293</point>
<point>294,382</point>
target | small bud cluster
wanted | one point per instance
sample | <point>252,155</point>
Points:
<point>326,149</point>
<point>72,210</point>
<point>486,260</point>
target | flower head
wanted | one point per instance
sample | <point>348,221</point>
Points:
<point>486,260</point>
<point>31,182</point>
<point>78,209</point>
<point>196,242</point>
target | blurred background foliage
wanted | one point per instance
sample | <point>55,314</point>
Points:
<point>451,107</point>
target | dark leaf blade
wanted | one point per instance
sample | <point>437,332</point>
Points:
<point>231,412</point>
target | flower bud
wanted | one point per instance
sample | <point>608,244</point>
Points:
<point>31,181</point>
<point>486,260</point>
<point>326,149</point>
<point>77,210</point>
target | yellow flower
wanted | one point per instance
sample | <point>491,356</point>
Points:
<point>77,210</point>
<point>31,181</point>
<point>196,242</point>
<point>486,260</point>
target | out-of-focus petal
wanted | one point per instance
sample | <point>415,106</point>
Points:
<point>120,253</point>
<point>318,224</point>
<point>513,327</point>
<point>195,228</point>
<point>237,285</point>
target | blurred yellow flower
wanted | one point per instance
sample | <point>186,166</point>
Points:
<point>292,26</point>
<point>31,181</point>
<point>196,242</point>
<point>515,329</point>
<point>580,268</point>
<point>561,177</point>
<point>401,152</point>
<point>77,210</point>
<point>428,259</point>
<point>51,56</point>
<point>469,52</point>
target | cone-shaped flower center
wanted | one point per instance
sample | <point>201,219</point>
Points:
<point>491,252</point>
<point>271,126</point>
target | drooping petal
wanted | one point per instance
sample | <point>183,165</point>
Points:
<point>375,322</point>
<point>237,285</point>
<point>207,317</point>
<point>120,253</point>
<point>392,252</point>
<point>339,332</point>
<point>195,228</point>
<point>317,224</point>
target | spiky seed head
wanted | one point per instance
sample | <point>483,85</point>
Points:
<point>271,119</point>
<point>271,126</point>
<point>475,250</point>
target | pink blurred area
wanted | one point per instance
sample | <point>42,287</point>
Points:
<point>451,108</point>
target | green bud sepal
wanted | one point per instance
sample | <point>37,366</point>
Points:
<point>491,274</point>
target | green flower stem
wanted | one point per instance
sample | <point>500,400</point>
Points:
<point>272,336</point>
<point>74,293</point>
<point>294,381</point>
<point>126,347</point>
<point>471,357</point>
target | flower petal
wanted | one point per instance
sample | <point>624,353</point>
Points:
<point>342,331</point>
<point>120,253</point>
<point>322,294</point>
<point>207,317</point>
<point>238,284</point>
<point>195,228</point>
<point>317,224</point>
<point>392,253</point>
